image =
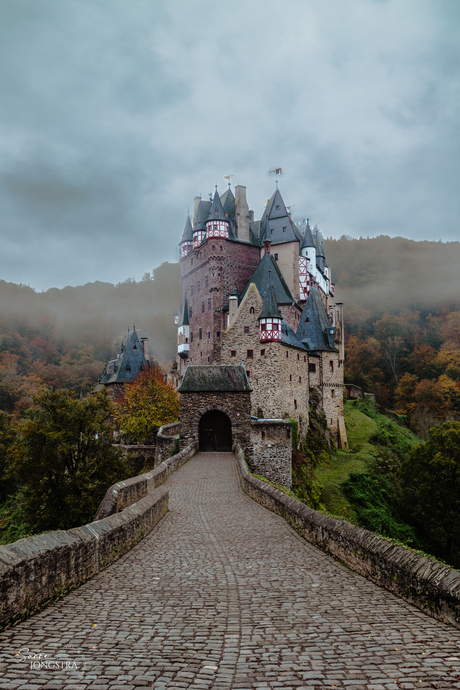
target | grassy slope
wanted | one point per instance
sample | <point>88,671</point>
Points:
<point>359,428</point>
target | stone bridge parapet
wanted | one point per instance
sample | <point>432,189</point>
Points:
<point>428,584</point>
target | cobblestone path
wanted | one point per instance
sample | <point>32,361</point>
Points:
<point>223,594</point>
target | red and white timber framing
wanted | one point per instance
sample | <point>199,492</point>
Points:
<point>217,229</point>
<point>270,329</point>
<point>198,237</point>
<point>304,278</point>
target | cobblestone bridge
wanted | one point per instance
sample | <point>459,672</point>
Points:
<point>224,594</point>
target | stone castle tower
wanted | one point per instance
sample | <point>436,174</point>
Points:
<point>259,292</point>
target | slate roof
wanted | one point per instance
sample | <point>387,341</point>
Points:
<point>275,221</point>
<point>269,306</point>
<point>307,238</point>
<point>315,330</point>
<point>228,203</point>
<point>268,272</point>
<point>288,337</point>
<point>318,240</point>
<point>187,235</point>
<point>202,215</point>
<point>217,212</point>
<point>128,363</point>
<point>183,319</point>
<point>214,378</point>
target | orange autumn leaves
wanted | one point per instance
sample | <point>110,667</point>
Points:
<point>147,403</point>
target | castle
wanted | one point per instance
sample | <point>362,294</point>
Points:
<point>257,295</point>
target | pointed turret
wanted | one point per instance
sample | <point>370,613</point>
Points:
<point>217,224</point>
<point>183,332</point>
<point>307,239</point>
<point>276,221</point>
<point>186,243</point>
<point>270,318</point>
<point>228,204</point>
<point>199,229</point>
<point>315,330</point>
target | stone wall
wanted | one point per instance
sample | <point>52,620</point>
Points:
<point>38,569</point>
<point>332,391</point>
<point>431,586</point>
<point>139,455</point>
<point>127,492</point>
<point>167,437</point>
<point>237,406</point>
<point>271,452</point>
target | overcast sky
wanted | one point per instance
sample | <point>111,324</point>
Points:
<point>114,114</point>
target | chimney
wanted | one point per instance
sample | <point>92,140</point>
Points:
<point>241,214</point>
<point>145,348</point>
<point>232,309</point>
<point>196,203</point>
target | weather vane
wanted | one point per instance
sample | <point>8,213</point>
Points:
<point>277,171</point>
<point>227,177</point>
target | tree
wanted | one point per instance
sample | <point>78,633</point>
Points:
<point>8,435</point>
<point>147,403</point>
<point>430,480</point>
<point>65,460</point>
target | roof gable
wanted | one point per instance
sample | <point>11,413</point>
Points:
<point>215,378</point>
<point>268,272</point>
<point>315,330</point>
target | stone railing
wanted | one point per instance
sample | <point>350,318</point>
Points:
<point>431,586</point>
<point>167,437</point>
<point>129,491</point>
<point>38,569</point>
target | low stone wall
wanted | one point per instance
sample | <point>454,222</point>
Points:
<point>139,455</point>
<point>129,491</point>
<point>432,587</point>
<point>166,441</point>
<point>271,450</point>
<point>38,569</point>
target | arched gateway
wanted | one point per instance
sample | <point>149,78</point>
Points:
<point>215,432</point>
<point>215,407</point>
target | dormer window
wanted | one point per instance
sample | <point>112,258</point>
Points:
<point>277,208</point>
<point>226,214</point>
<point>134,347</point>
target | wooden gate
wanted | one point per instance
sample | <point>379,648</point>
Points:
<point>215,432</point>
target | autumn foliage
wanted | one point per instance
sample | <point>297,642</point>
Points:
<point>148,403</point>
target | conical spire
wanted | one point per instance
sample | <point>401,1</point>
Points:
<point>269,307</point>
<point>183,319</point>
<point>187,235</point>
<point>217,212</point>
<point>307,238</point>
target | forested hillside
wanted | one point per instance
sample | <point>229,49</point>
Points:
<point>402,318</point>
<point>64,338</point>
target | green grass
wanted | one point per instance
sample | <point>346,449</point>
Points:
<point>357,459</point>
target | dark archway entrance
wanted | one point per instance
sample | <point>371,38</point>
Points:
<point>215,432</point>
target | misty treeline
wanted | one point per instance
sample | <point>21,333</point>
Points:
<point>63,338</point>
<point>401,301</point>
<point>402,323</point>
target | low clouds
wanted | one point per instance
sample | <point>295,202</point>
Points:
<point>114,115</point>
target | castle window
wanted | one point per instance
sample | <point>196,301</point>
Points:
<point>287,352</point>
<point>200,334</point>
<point>248,374</point>
<point>128,369</point>
<point>221,248</point>
<point>262,353</point>
<point>186,340</point>
<point>295,404</point>
<point>218,334</point>
<point>213,247</point>
<point>276,257</point>
<point>276,327</point>
<point>202,308</point>
<point>134,347</point>
<point>300,379</point>
<point>332,393</point>
<point>246,329</point>
<point>290,377</point>
<point>191,337</point>
<point>331,365</point>
<point>226,214</point>
<point>312,368</point>
<point>271,231</point>
<point>251,311</point>
<point>250,354</point>
<point>277,208</point>
<point>215,226</point>
<point>284,228</point>
<point>298,356</point>
<point>208,360</point>
<point>209,304</point>
<point>233,353</point>
<point>263,326</point>
<point>305,358</point>
<point>190,311</point>
<point>209,335</point>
